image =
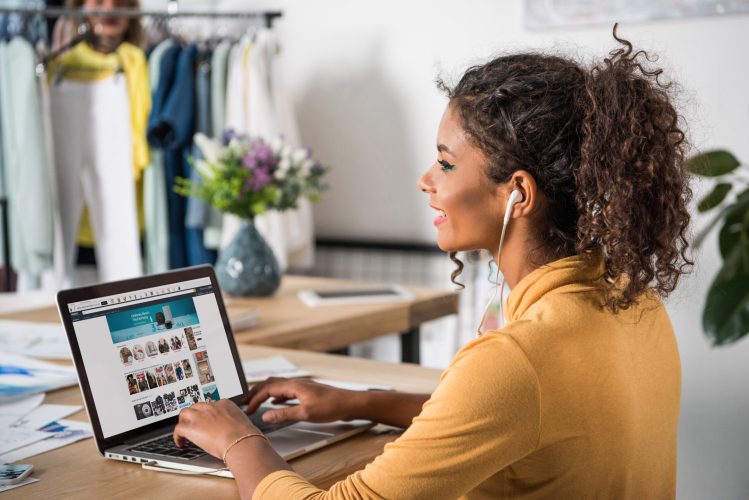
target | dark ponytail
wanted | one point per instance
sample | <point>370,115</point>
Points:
<point>605,148</point>
<point>632,188</point>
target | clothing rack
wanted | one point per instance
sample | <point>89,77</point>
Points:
<point>172,11</point>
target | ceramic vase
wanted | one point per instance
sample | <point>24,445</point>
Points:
<point>247,267</point>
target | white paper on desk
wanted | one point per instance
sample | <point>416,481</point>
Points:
<point>44,340</point>
<point>26,481</point>
<point>243,320</point>
<point>68,432</point>
<point>353,386</point>
<point>22,375</point>
<point>256,370</point>
<point>13,410</point>
<point>12,438</point>
<point>44,414</point>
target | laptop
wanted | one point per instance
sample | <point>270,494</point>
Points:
<point>145,348</point>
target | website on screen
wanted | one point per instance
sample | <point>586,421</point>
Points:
<point>152,352</point>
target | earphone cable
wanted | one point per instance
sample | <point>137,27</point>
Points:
<point>496,285</point>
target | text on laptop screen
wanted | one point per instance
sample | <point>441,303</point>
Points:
<point>149,353</point>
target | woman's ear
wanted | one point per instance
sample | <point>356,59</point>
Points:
<point>522,181</point>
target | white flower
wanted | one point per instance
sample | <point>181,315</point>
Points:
<point>284,164</point>
<point>280,174</point>
<point>285,152</point>
<point>306,167</point>
<point>204,169</point>
<point>299,155</point>
<point>210,148</point>
<point>275,145</point>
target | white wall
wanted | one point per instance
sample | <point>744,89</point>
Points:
<point>361,76</point>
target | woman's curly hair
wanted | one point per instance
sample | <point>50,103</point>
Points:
<point>605,148</point>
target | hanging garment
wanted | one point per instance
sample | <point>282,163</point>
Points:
<point>93,144</point>
<point>25,167</point>
<point>171,128</point>
<point>257,105</point>
<point>219,68</point>
<point>83,63</point>
<point>234,108</point>
<point>33,28</point>
<point>197,211</point>
<point>155,206</point>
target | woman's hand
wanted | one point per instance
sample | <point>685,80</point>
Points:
<point>212,426</point>
<point>317,402</point>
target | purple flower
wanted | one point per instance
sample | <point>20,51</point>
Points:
<point>227,136</point>
<point>260,156</point>
<point>249,161</point>
<point>257,180</point>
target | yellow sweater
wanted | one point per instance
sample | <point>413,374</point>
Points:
<point>566,401</point>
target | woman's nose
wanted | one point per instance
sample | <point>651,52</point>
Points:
<point>424,184</point>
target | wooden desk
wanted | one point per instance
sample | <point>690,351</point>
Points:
<point>78,471</point>
<point>285,321</point>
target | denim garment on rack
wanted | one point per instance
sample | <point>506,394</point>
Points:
<point>197,210</point>
<point>31,27</point>
<point>172,129</point>
<point>155,206</point>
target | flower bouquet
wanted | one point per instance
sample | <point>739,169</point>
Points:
<point>247,177</point>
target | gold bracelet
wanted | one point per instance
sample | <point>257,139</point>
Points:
<point>239,440</point>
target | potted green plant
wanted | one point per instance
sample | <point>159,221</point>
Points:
<point>725,317</point>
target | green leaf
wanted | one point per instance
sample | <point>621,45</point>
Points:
<point>733,226</point>
<point>717,195</point>
<point>726,314</point>
<point>742,200</point>
<point>712,163</point>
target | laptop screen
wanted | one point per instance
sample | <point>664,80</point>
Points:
<point>148,353</point>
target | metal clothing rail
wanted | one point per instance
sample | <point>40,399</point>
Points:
<point>171,12</point>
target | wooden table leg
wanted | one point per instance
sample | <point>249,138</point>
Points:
<point>410,343</point>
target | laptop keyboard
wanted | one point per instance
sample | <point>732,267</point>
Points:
<point>165,445</point>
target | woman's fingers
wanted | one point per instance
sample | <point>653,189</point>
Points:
<point>180,433</point>
<point>259,386</point>
<point>283,389</point>
<point>290,414</point>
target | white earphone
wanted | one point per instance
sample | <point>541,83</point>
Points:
<point>515,197</point>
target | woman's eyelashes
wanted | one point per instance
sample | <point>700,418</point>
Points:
<point>446,166</point>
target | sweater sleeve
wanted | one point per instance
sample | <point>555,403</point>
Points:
<point>483,416</point>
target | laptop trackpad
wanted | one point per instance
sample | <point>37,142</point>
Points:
<point>291,440</point>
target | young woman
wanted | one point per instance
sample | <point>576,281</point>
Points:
<point>577,396</point>
<point>110,31</point>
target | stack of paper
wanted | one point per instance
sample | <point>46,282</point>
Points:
<point>55,435</point>
<point>22,376</point>
<point>256,370</point>
<point>44,340</point>
<point>28,427</point>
